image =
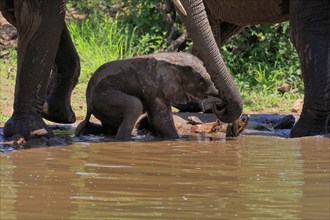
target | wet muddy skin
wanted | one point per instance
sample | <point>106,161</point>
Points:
<point>268,125</point>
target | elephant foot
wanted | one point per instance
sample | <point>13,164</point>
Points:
<point>309,127</point>
<point>58,109</point>
<point>86,127</point>
<point>29,126</point>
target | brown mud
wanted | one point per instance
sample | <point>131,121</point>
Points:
<point>190,126</point>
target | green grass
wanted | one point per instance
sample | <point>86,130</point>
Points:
<point>101,40</point>
<point>7,83</point>
<point>98,42</point>
<point>258,101</point>
<point>260,59</point>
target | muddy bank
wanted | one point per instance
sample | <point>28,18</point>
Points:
<point>191,126</point>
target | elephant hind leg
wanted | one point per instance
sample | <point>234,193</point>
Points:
<point>227,30</point>
<point>117,111</point>
<point>87,127</point>
<point>64,78</point>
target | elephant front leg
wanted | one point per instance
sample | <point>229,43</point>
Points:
<point>64,77</point>
<point>39,25</point>
<point>310,32</point>
<point>161,118</point>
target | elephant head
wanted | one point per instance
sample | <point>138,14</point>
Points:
<point>183,77</point>
<point>194,17</point>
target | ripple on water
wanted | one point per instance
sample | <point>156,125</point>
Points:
<point>247,177</point>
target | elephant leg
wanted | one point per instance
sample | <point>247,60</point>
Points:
<point>63,79</point>
<point>161,118</point>
<point>227,31</point>
<point>87,127</point>
<point>143,123</point>
<point>310,34</point>
<point>7,11</point>
<point>223,31</point>
<point>117,111</point>
<point>39,25</point>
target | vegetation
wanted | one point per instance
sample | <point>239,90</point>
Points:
<point>260,58</point>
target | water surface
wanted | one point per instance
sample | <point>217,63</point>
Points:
<point>249,177</point>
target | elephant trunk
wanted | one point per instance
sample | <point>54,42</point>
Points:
<point>199,30</point>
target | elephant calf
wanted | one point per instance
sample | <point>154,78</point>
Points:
<point>121,91</point>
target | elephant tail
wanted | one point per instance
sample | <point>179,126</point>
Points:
<point>84,125</point>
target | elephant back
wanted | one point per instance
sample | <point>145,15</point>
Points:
<point>248,12</point>
<point>99,75</point>
<point>184,60</point>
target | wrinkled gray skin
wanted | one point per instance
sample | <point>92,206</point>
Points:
<point>121,91</point>
<point>44,47</point>
<point>210,23</point>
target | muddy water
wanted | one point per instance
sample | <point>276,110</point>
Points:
<point>250,177</point>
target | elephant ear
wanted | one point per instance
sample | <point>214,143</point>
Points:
<point>170,83</point>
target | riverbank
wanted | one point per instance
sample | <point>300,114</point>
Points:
<point>190,126</point>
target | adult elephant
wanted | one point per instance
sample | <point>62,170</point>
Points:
<point>44,49</point>
<point>210,23</point>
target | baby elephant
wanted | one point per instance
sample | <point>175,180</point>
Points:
<point>121,91</point>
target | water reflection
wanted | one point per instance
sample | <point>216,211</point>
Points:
<point>250,177</point>
<point>8,190</point>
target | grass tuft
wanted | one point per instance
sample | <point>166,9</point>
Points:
<point>100,41</point>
